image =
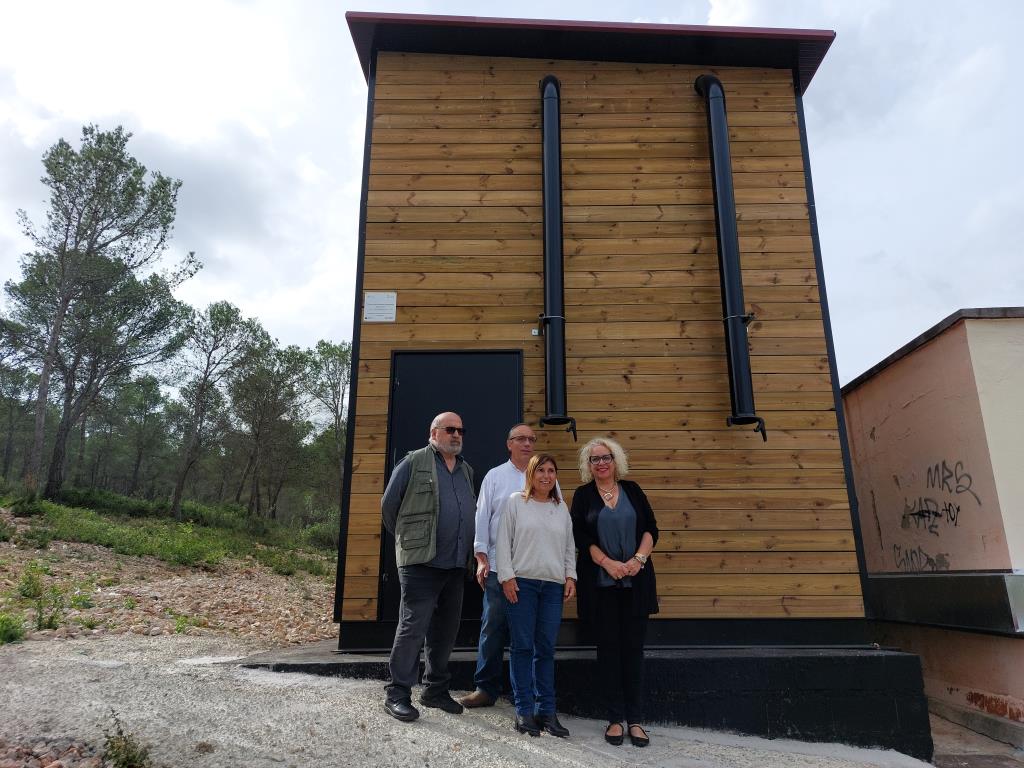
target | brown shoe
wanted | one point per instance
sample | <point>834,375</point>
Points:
<point>476,699</point>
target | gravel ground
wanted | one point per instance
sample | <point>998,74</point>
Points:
<point>180,695</point>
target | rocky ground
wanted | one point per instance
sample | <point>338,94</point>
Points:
<point>105,593</point>
<point>99,594</point>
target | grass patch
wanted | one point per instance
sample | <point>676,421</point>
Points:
<point>188,543</point>
<point>12,628</point>
<point>174,543</point>
<point>182,622</point>
<point>35,536</point>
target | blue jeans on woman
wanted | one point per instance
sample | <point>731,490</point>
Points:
<point>533,624</point>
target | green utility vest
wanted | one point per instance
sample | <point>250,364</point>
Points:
<point>416,527</point>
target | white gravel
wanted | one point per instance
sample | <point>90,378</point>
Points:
<point>183,697</point>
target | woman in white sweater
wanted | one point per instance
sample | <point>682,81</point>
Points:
<point>536,558</point>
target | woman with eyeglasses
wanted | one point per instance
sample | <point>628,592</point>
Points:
<point>615,531</point>
<point>537,570</point>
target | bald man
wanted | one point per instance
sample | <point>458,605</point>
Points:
<point>429,507</point>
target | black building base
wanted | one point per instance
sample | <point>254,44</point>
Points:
<point>860,696</point>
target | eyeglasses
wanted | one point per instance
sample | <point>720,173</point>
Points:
<point>524,439</point>
<point>454,430</point>
<point>605,459</point>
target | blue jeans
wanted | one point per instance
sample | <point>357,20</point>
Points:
<point>490,655</point>
<point>533,627</point>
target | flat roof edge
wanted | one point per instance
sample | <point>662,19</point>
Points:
<point>799,49</point>
<point>973,313</point>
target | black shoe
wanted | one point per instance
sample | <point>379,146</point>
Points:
<point>401,709</point>
<point>638,741</point>
<point>527,724</point>
<point>616,740</point>
<point>442,701</point>
<point>550,724</point>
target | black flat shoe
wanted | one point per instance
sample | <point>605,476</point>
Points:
<point>616,739</point>
<point>442,701</point>
<point>550,724</point>
<point>401,709</point>
<point>527,724</point>
<point>638,741</point>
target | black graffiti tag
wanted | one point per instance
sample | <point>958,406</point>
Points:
<point>953,479</point>
<point>924,512</point>
<point>917,560</point>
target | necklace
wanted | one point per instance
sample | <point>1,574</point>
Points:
<point>606,495</point>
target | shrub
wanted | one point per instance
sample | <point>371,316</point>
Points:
<point>322,535</point>
<point>6,531</point>
<point>12,628</point>
<point>122,749</point>
<point>114,503</point>
<point>26,506</point>
<point>36,536</point>
<point>47,601</point>
<point>81,600</point>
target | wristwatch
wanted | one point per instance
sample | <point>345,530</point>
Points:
<point>642,559</point>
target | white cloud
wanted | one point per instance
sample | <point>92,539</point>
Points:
<point>260,108</point>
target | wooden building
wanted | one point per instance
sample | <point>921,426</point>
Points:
<point>759,544</point>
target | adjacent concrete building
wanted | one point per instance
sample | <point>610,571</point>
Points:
<point>936,435</point>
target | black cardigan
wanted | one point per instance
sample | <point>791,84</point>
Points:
<point>586,506</point>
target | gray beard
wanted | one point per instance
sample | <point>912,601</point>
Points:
<point>448,452</point>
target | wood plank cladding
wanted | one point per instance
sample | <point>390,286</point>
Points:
<point>454,226</point>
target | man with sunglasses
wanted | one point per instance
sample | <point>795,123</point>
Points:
<point>499,483</point>
<point>428,506</point>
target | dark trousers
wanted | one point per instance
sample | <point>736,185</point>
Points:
<point>490,655</point>
<point>428,617</point>
<point>620,654</point>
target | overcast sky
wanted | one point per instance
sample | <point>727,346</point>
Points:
<point>914,122</point>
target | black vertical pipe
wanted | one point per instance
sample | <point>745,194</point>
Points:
<point>741,387</point>
<point>552,322</point>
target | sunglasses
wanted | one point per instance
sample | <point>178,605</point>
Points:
<point>606,459</point>
<point>454,430</point>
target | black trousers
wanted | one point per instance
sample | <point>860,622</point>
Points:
<point>620,654</point>
<point>428,617</point>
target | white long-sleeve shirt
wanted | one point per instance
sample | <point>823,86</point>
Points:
<point>535,541</point>
<point>499,483</point>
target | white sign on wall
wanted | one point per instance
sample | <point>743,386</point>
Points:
<point>379,306</point>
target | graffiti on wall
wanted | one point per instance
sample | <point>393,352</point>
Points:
<point>946,499</point>
<point>917,560</point>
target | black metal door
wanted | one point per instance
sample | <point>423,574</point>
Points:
<point>486,390</point>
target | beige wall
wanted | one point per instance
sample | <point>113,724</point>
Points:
<point>997,352</point>
<point>928,500</point>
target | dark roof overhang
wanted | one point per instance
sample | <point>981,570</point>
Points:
<point>801,50</point>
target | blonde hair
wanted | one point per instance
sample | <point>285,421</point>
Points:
<point>620,466</point>
<point>535,461</point>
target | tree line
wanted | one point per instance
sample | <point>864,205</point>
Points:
<point>108,381</point>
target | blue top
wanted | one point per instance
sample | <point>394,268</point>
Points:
<point>616,536</point>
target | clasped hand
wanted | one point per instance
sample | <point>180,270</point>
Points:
<point>619,570</point>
